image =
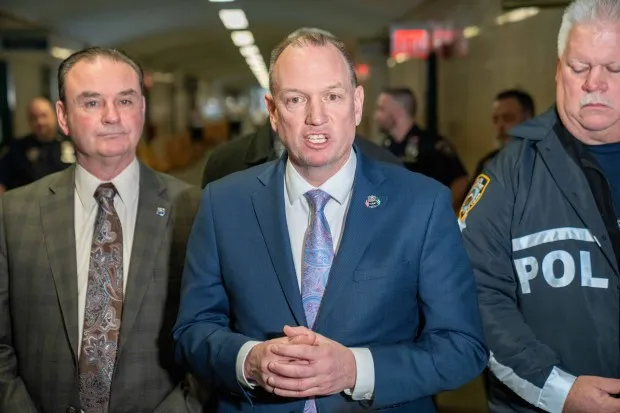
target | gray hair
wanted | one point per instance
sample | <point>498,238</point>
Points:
<point>91,54</point>
<point>310,37</point>
<point>586,11</point>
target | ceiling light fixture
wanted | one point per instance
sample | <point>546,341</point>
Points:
<point>234,19</point>
<point>242,38</point>
<point>249,50</point>
<point>471,31</point>
<point>517,15</point>
<point>255,60</point>
<point>60,52</point>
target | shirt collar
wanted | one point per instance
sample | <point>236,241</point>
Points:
<point>338,186</point>
<point>126,183</point>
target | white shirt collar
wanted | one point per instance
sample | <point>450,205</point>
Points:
<point>338,186</point>
<point>126,183</point>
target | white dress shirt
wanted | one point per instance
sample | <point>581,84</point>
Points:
<point>340,188</point>
<point>126,204</point>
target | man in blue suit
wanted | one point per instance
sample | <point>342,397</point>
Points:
<point>326,281</point>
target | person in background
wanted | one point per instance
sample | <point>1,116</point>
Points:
<point>510,108</point>
<point>419,150</point>
<point>42,152</point>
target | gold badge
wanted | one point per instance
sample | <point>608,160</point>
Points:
<point>412,150</point>
<point>32,155</point>
<point>472,198</point>
<point>67,152</point>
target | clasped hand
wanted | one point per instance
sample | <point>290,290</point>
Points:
<point>301,364</point>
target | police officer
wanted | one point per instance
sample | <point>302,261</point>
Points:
<point>419,150</point>
<point>37,154</point>
<point>541,228</point>
<point>510,108</point>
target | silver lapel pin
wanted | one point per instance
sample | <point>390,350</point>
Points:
<point>372,201</point>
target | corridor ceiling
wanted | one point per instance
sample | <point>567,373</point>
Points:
<point>187,35</point>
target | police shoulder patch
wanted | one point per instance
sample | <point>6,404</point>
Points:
<point>474,195</point>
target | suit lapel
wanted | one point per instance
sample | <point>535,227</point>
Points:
<point>149,234</point>
<point>269,208</point>
<point>58,221</point>
<point>360,225</point>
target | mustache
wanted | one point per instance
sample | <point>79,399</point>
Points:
<point>595,98</point>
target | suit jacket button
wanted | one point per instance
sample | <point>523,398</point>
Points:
<point>71,409</point>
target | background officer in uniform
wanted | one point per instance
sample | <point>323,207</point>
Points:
<point>510,108</point>
<point>42,152</point>
<point>419,150</point>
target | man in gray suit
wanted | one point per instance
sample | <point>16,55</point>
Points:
<point>91,260</point>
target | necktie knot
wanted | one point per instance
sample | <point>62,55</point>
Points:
<point>106,192</point>
<point>317,199</point>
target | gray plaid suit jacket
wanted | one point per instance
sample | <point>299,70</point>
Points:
<point>39,299</point>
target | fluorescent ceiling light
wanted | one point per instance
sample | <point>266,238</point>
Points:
<point>221,1</point>
<point>471,31</point>
<point>262,77</point>
<point>263,82</point>
<point>255,60</point>
<point>256,70</point>
<point>257,65</point>
<point>234,19</point>
<point>260,73</point>
<point>517,15</point>
<point>249,50</point>
<point>400,57</point>
<point>242,38</point>
<point>60,52</point>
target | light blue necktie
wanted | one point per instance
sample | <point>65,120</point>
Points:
<point>317,259</point>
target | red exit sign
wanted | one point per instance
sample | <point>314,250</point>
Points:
<point>410,44</point>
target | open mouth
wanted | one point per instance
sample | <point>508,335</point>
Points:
<point>317,139</point>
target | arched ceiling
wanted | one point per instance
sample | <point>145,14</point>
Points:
<point>188,36</point>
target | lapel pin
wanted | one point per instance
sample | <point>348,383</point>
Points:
<point>372,201</point>
<point>161,211</point>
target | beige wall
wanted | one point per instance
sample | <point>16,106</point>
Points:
<point>521,54</point>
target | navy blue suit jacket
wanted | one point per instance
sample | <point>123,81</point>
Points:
<point>400,285</point>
